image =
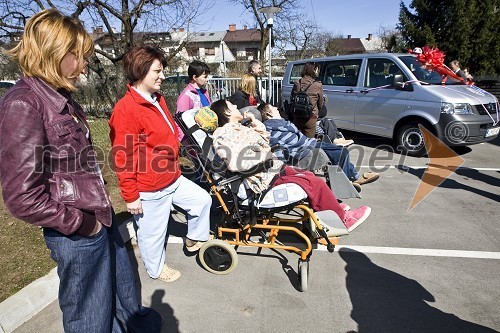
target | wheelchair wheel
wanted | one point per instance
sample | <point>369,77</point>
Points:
<point>303,274</point>
<point>218,257</point>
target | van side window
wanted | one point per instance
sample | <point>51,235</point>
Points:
<point>341,72</point>
<point>380,72</point>
<point>295,73</point>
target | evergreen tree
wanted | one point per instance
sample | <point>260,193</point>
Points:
<point>466,30</point>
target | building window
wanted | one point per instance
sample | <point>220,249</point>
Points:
<point>210,51</point>
<point>192,51</point>
<point>251,52</point>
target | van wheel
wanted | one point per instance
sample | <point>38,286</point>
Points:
<point>410,140</point>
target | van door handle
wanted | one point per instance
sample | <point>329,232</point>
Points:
<point>364,91</point>
<point>349,91</point>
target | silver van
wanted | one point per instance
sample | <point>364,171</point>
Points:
<point>391,94</point>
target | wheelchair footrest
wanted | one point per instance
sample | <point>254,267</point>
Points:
<point>332,223</point>
<point>339,183</point>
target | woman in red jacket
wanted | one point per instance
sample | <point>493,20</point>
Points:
<point>145,152</point>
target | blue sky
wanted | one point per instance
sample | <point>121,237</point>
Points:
<point>356,17</point>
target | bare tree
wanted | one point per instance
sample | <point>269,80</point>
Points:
<point>392,40</point>
<point>133,17</point>
<point>298,33</point>
<point>288,9</point>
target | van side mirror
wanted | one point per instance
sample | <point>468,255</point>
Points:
<point>397,81</point>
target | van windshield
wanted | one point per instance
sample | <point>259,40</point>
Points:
<point>423,74</point>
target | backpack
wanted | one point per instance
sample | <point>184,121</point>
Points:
<point>300,106</point>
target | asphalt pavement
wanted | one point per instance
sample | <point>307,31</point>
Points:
<point>434,268</point>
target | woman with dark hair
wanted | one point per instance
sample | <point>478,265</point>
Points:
<point>194,96</point>
<point>50,178</point>
<point>243,147</point>
<point>146,156</point>
<point>314,89</point>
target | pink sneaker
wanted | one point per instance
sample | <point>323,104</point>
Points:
<point>353,218</point>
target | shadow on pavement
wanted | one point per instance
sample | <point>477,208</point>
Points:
<point>170,321</point>
<point>387,144</point>
<point>453,184</point>
<point>287,269</point>
<point>385,301</point>
<point>370,140</point>
<point>477,175</point>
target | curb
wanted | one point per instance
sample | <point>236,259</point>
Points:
<point>20,307</point>
<point>26,303</point>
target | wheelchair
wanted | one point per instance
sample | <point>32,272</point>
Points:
<point>279,218</point>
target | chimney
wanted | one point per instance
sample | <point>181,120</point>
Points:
<point>181,29</point>
<point>232,27</point>
<point>348,36</point>
<point>98,30</point>
<point>369,37</point>
<point>245,27</point>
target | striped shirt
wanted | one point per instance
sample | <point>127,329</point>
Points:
<point>288,136</point>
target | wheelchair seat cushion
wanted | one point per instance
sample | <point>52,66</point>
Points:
<point>279,196</point>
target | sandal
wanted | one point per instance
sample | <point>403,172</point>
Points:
<point>168,274</point>
<point>193,246</point>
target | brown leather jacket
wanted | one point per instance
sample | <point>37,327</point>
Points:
<point>315,92</point>
<point>48,169</point>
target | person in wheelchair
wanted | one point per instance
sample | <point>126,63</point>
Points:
<point>297,145</point>
<point>242,147</point>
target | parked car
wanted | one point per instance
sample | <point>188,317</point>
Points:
<point>390,95</point>
<point>6,84</point>
<point>173,79</point>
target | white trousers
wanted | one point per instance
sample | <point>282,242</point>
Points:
<point>153,222</point>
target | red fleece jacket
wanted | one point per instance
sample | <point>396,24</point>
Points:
<point>145,149</point>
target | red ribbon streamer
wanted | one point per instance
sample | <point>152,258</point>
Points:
<point>433,58</point>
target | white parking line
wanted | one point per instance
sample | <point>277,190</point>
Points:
<point>397,251</point>
<point>418,252</point>
<point>425,167</point>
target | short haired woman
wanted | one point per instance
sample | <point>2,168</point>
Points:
<point>146,155</point>
<point>50,178</point>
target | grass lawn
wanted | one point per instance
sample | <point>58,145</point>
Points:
<point>23,254</point>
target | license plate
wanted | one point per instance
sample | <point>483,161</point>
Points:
<point>492,132</point>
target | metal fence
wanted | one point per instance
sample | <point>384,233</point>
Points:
<point>224,87</point>
<point>218,88</point>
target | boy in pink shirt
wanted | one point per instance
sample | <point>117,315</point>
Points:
<point>194,96</point>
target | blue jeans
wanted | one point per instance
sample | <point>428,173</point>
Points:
<point>97,291</point>
<point>339,156</point>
